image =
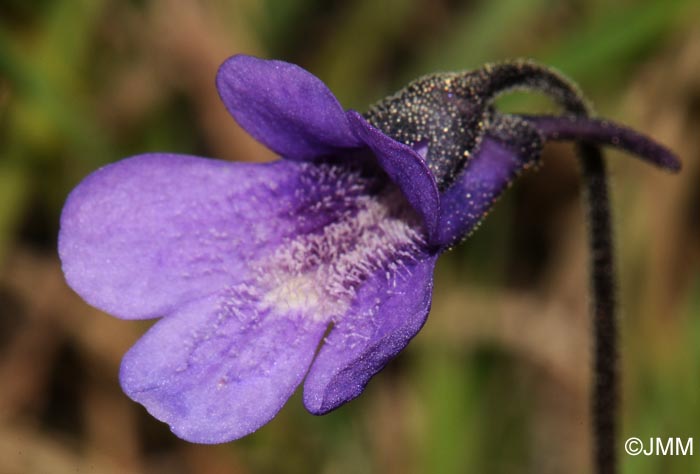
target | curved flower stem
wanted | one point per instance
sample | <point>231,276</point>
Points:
<point>605,372</point>
<point>604,396</point>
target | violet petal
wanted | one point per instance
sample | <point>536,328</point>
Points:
<point>146,234</point>
<point>405,167</point>
<point>468,200</point>
<point>286,108</point>
<point>389,310</point>
<point>221,367</point>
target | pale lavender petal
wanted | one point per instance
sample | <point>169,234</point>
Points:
<point>467,201</point>
<point>284,107</point>
<point>142,236</point>
<point>405,167</point>
<point>221,367</point>
<point>388,311</point>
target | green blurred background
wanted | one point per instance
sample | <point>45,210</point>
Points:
<point>497,381</point>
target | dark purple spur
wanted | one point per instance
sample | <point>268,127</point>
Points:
<point>252,267</point>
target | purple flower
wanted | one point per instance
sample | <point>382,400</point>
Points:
<point>252,266</point>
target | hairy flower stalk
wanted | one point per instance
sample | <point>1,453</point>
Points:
<point>463,122</point>
<point>317,268</point>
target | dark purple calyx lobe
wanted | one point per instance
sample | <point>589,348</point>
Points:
<point>450,113</point>
<point>439,114</point>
